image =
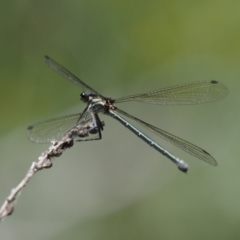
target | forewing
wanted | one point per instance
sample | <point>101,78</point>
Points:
<point>185,94</point>
<point>68,75</point>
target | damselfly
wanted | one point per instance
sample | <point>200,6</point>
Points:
<point>185,94</point>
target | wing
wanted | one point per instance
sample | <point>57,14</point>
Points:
<point>66,74</point>
<point>185,94</point>
<point>178,142</point>
<point>56,128</point>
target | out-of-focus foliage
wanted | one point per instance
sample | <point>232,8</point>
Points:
<point>120,188</point>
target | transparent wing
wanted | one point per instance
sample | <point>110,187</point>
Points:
<point>190,93</point>
<point>66,74</point>
<point>56,128</point>
<point>178,142</point>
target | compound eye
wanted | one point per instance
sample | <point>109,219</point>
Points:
<point>84,97</point>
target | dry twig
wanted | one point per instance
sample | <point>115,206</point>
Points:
<point>44,161</point>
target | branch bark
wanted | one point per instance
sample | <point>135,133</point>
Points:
<point>44,161</point>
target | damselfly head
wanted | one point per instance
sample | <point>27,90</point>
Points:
<point>88,97</point>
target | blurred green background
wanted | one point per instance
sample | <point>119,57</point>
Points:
<point>120,188</point>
